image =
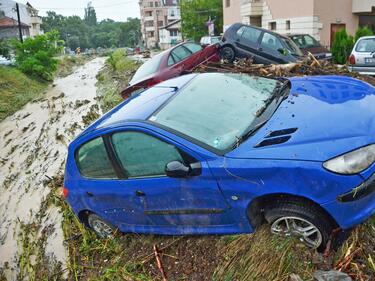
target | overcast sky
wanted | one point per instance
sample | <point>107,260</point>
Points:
<point>118,10</point>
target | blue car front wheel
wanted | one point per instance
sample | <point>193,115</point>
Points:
<point>307,223</point>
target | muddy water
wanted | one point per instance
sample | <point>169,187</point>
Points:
<point>33,145</point>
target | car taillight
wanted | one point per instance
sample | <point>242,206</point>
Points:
<point>65,192</point>
<point>352,59</point>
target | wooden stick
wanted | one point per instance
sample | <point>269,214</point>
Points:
<point>158,262</point>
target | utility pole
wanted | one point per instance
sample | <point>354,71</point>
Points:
<point>19,22</point>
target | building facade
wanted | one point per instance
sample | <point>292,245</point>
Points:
<point>170,35</point>
<point>319,18</point>
<point>155,15</point>
<point>9,29</point>
<point>29,17</point>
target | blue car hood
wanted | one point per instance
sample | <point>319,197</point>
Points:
<point>330,115</point>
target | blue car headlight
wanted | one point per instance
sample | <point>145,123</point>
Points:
<point>352,162</point>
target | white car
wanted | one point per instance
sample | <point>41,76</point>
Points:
<point>5,61</point>
<point>362,58</point>
<point>209,40</point>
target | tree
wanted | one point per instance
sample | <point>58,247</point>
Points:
<point>35,56</point>
<point>342,46</point>
<point>130,33</point>
<point>196,13</point>
<point>90,15</point>
<point>5,48</point>
<point>362,31</point>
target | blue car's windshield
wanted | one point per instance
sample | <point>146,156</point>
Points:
<point>216,109</point>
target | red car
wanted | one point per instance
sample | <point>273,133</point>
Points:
<point>173,62</point>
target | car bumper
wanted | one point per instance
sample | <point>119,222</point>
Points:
<point>365,70</point>
<point>355,206</point>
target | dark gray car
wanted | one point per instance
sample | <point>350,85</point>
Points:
<point>264,46</point>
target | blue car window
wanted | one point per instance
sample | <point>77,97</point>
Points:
<point>93,161</point>
<point>228,104</point>
<point>142,155</point>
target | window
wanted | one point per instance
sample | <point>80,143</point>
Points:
<point>142,155</point>
<point>149,14</point>
<point>156,4</point>
<point>227,3</point>
<point>160,23</point>
<point>171,60</point>
<point>173,33</point>
<point>151,4</point>
<point>272,25</point>
<point>218,119</point>
<point>149,23</point>
<point>93,162</point>
<point>366,45</point>
<point>251,34</point>
<point>194,48</point>
<point>180,53</point>
<point>148,68</point>
<point>270,41</point>
<point>288,25</point>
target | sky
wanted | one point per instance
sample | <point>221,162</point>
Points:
<point>118,10</point>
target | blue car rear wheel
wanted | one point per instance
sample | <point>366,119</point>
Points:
<point>99,226</point>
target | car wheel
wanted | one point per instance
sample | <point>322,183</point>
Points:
<point>99,226</point>
<point>227,53</point>
<point>307,223</point>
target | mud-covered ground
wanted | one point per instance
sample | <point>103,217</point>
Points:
<point>33,145</point>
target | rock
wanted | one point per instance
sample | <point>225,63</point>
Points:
<point>332,275</point>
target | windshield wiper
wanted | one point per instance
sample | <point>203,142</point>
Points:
<point>279,94</point>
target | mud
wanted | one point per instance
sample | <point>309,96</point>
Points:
<point>33,146</point>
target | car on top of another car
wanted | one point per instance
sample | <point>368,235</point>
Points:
<point>180,59</point>
<point>263,46</point>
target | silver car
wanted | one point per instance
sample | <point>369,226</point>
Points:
<point>362,58</point>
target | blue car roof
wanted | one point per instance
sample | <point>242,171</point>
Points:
<point>142,105</point>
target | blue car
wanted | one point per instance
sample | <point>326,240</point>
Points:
<point>222,153</point>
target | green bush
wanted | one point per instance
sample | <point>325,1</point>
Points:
<point>363,31</point>
<point>342,46</point>
<point>5,48</point>
<point>35,56</point>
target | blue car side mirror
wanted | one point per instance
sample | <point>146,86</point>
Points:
<point>176,169</point>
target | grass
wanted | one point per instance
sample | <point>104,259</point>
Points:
<point>113,78</point>
<point>16,90</point>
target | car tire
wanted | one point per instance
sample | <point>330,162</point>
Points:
<point>227,53</point>
<point>101,228</point>
<point>306,222</point>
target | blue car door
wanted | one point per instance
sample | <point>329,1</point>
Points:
<point>195,200</point>
<point>102,191</point>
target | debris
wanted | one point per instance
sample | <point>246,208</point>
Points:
<point>295,277</point>
<point>309,66</point>
<point>158,262</point>
<point>331,275</point>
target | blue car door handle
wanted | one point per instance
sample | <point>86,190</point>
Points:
<point>140,193</point>
<point>89,194</point>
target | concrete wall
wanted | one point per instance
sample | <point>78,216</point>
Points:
<point>332,12</point>
<point>231,14</point>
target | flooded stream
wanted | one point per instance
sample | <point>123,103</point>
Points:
<point>33,147</point>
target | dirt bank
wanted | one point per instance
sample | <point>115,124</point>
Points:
<point>33,145</point>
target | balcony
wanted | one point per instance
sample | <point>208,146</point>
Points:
<point>251,8</point>
<point>149,18</point>
<point>150,28</point>
<point>363,6</point>
<point>36,20</point>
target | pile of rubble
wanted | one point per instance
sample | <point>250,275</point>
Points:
<point>309,66</point>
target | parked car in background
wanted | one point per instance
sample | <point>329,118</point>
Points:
<point>173,62</point>
<point>219,153</point>
<point>129,51</point>
<point>209,40</point>
<point>362,58</point>
<point>307,44</point>
<point>263,46</point>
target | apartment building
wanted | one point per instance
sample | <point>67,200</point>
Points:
<point>156,15</point>
<point>30,20</point>
<point>319,18</point>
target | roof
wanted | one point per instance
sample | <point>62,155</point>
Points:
<point>141,106</point>
<point>170,24</point>
<point>9,22</point>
